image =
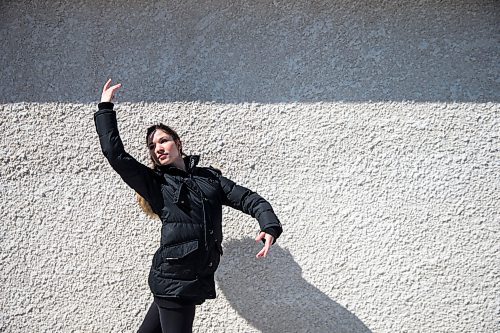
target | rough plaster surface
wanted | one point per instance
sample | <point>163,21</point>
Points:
<point>266,51</point>
<point>390,213</point>
<point>371,128</point>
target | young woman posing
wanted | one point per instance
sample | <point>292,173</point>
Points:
<point>188,200</point>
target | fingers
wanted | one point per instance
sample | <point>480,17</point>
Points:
<point>108,91</point>
<point>115,88</point>
<point>262,253</point>
<point>269,241</point>
<point>106,85</point>
<point>260,236</point>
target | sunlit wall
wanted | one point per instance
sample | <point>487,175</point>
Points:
<point>372,128</point>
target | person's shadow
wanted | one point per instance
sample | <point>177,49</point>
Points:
<point>272,295</point>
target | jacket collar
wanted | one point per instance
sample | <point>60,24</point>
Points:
<point>190,161</point>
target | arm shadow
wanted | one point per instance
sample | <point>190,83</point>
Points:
<point>272,295</point>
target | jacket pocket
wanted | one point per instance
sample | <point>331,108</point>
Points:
<point>178,261</point>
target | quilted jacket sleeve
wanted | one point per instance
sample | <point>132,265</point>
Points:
<point>138,176</point>
<point>251,203</point>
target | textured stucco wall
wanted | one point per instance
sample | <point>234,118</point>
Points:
<point>371,128</point>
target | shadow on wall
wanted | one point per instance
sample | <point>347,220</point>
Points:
<point>251,51</point>
<point>272,295</point>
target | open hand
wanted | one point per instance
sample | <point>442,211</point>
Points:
<point>108,92</point>
<point>269,241</point>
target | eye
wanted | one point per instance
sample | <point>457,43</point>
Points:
<point>164,140</point>
<point>151,147</point>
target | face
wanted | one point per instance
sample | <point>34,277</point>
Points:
<point>163,148</point>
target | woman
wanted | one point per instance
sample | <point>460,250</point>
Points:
<point>188,200</point>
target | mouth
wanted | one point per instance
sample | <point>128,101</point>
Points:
<point>162,157</point>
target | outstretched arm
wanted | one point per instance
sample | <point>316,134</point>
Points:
<point>138,176</point>
<point>251,203</point>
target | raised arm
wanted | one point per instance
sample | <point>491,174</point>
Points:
<point>251,203</point>
<point>138,176</point>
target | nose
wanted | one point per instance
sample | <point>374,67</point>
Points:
<point>159,149</point>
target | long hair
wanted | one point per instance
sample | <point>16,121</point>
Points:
<point>146,207</point>
<point>143,203</point>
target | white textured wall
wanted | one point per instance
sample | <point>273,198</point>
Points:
<point>372,129</point>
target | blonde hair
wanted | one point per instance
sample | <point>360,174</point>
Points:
<point>146,207</point>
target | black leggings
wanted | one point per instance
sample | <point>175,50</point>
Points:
<point>163,320</point>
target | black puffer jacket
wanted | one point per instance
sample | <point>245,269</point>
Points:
<point>189,204</point>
